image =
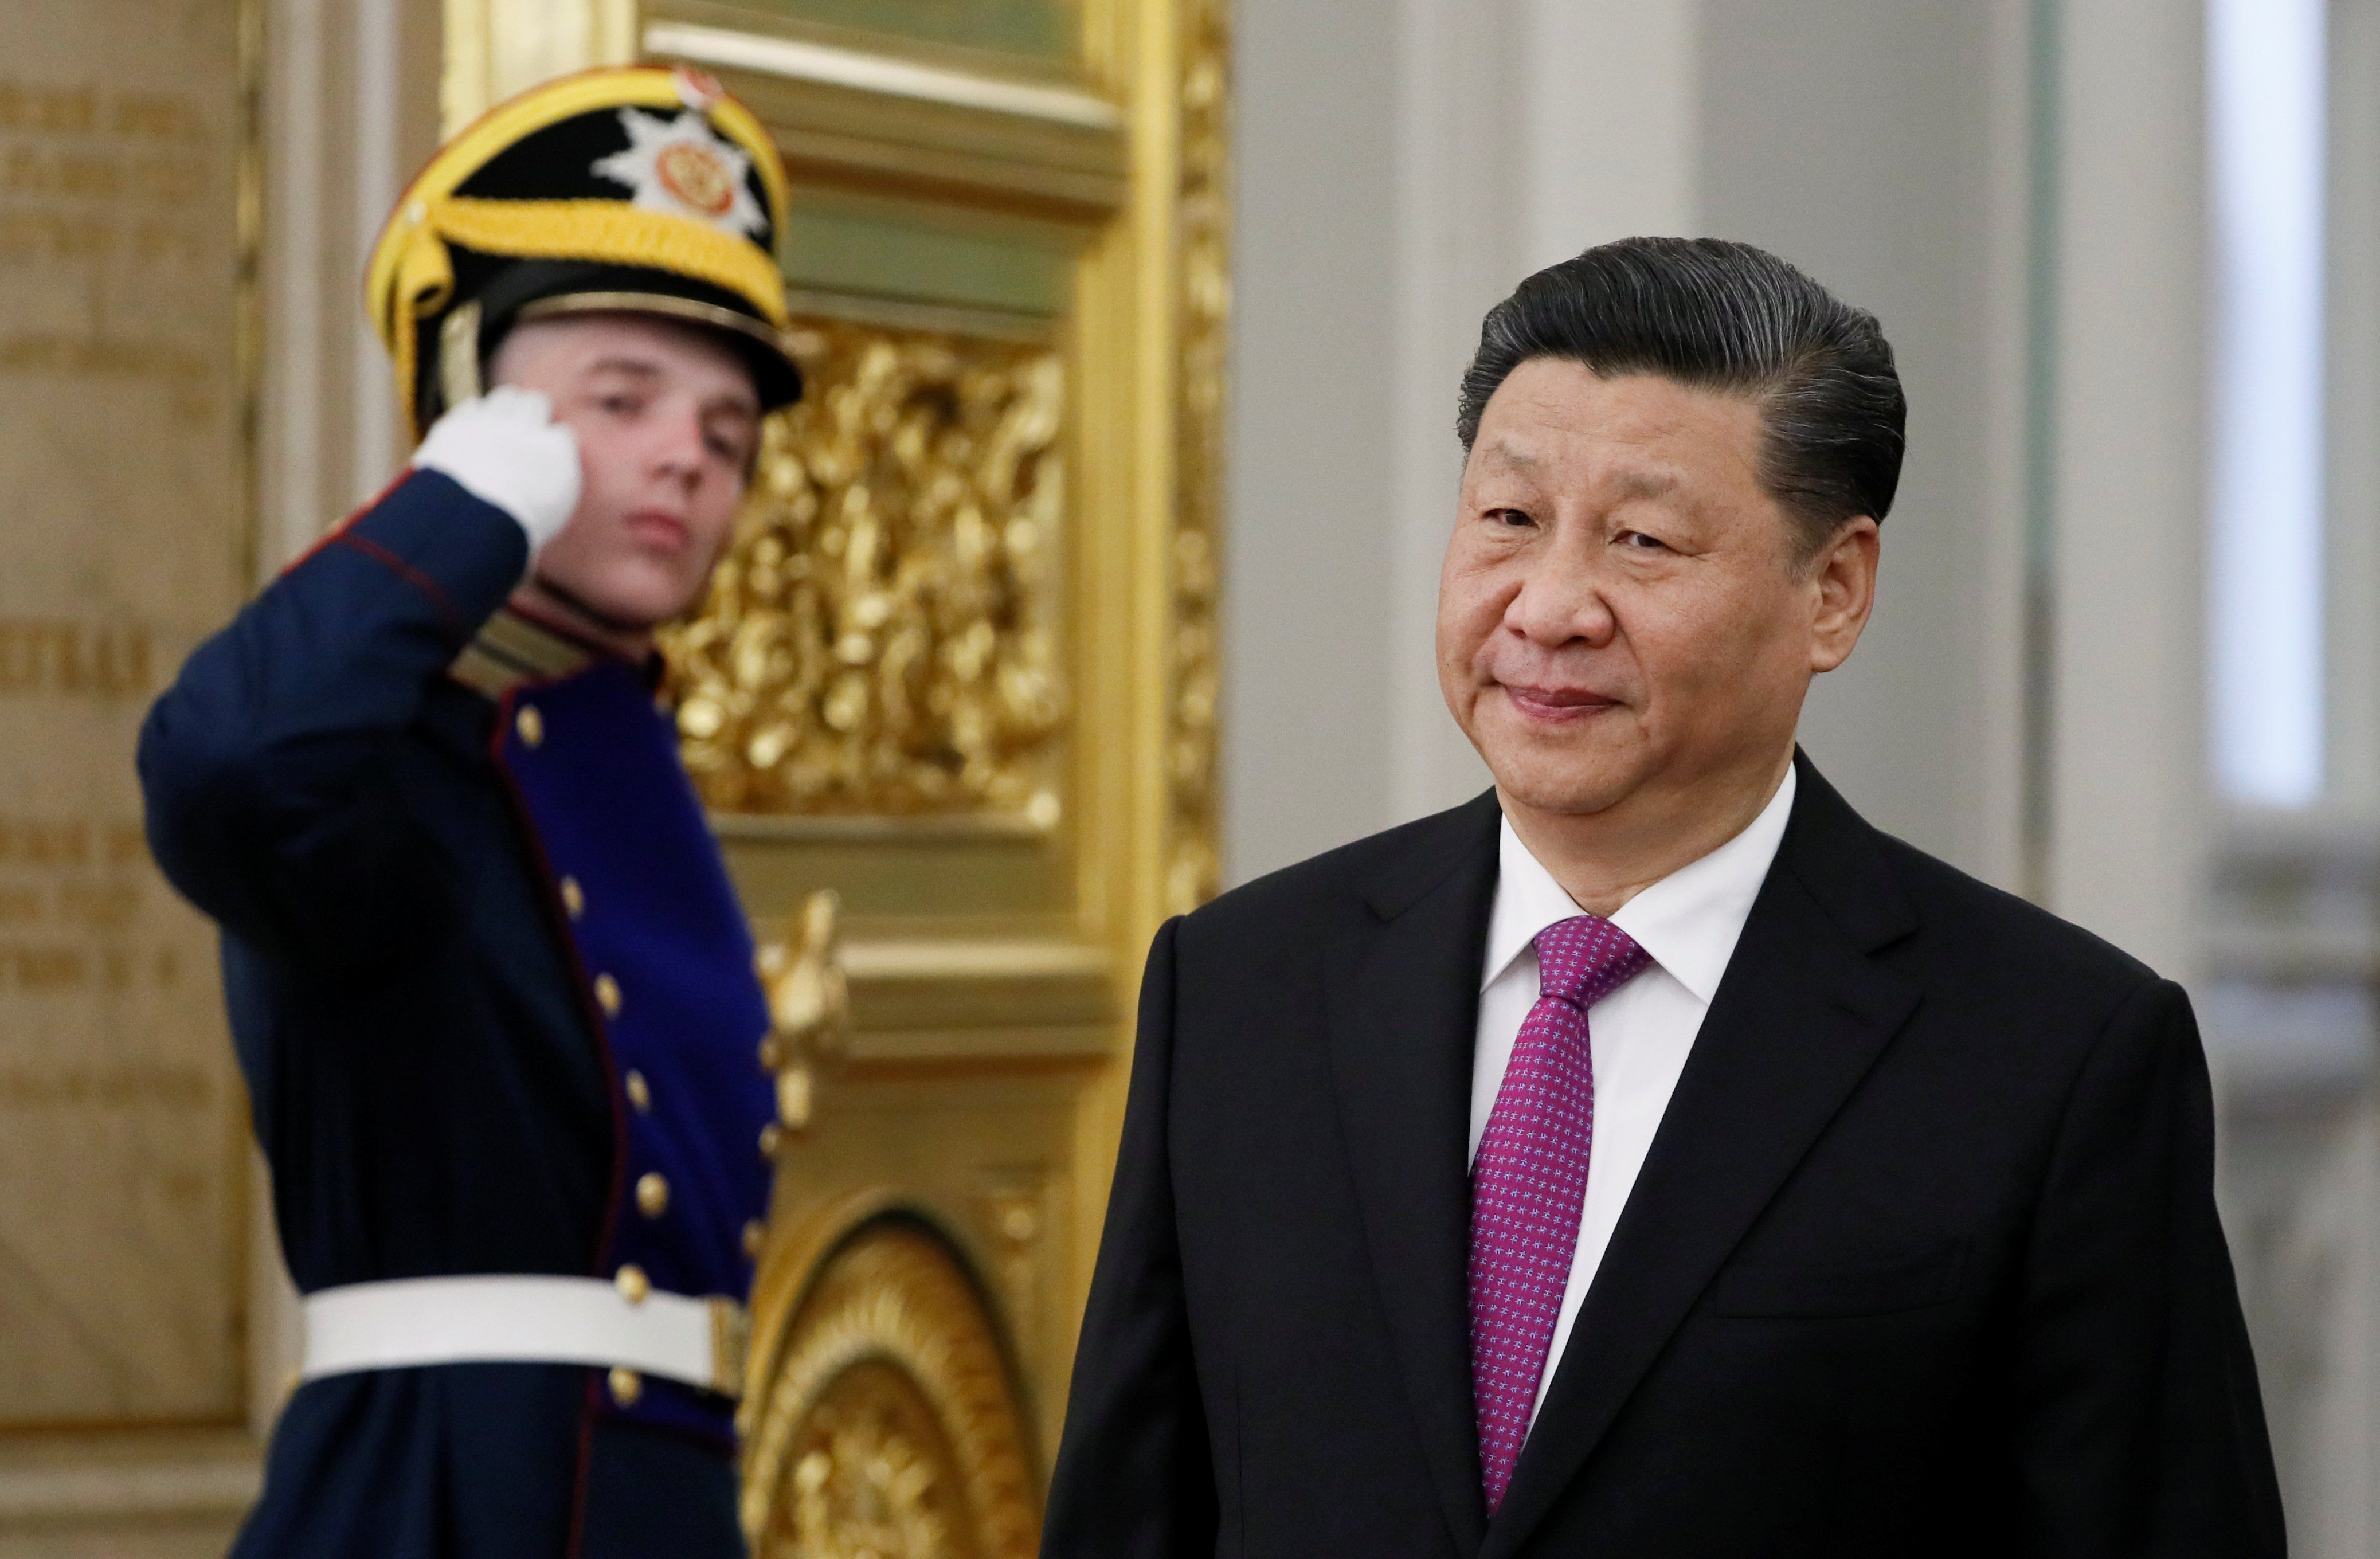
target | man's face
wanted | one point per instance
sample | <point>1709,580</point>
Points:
<point>667,420</point>
<point>1621,613</point>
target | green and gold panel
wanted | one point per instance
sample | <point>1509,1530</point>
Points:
<point>884,697</point>
<point>879,695</point>
<point>1011,31</point>
<point>950,705</point>
<point>1016,276</point>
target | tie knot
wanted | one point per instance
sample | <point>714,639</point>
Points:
<point>1585,958</point>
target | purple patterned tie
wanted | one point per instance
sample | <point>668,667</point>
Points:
<point>1530,1180</point>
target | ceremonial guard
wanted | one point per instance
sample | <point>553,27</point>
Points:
<point>490,987</point>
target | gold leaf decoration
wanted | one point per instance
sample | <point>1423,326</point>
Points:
<point>873,1476</point>
<point>879,637</point>
<point>888,1427</point>
<point>1192,866</point>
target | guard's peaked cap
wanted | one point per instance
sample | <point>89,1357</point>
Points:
<point>640,189</point>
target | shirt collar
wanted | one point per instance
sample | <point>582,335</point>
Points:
<point>1688,922</point>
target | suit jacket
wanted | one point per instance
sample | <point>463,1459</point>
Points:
<point>1923,1258</point>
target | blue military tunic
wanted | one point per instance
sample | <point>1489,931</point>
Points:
<point>494,1002</point>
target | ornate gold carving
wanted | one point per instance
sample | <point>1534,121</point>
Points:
<point>1193,869</point>
<point>880,638</point>
<point>809,1005</point>
<point>1013,1207</point>
<point>888,1425</point>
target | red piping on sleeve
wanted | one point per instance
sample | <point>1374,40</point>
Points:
<point>407,573</point>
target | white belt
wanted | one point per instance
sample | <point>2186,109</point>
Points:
<point>413,1321</point>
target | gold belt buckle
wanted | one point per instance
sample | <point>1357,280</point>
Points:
<point>730,1340</point>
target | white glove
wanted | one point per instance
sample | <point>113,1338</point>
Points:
<point>505,449</point>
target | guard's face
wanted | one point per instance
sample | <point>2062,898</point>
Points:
<point>667,421</point>
<point>1622,617</point>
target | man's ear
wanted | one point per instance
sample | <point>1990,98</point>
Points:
<point>1842,578</point>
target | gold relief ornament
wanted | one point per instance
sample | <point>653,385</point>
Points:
<point>882,636</point>
<point>888,1426</point>
<point>1204,213</point>
<point>874,1477</point>
<point>809,1005</point>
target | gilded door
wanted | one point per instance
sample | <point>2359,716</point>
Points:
<point>951,699</point>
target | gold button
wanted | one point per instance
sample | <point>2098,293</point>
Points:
<point>607,995</point>
<point>632,1283</point>
<point>640,1094</point>
<point>530,724</point>
<point>772,1136</point>
<point>771,1055</point>
<point>627,1386</point>
<point>572,900</point>
<point>756,1234</point>
<point>794,1097</point>
<point>652,1195</point>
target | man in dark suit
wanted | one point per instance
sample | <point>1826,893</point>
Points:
<point>1650,1157</point>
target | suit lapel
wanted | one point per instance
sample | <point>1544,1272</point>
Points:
<point>1797,1021</point>
<point>1403,998</point>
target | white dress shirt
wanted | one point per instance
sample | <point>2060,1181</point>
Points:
<point>1639,1034</point>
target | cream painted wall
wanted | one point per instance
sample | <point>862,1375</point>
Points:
<point>1313,454</point>
<point>1399,176</point>
<point>1857,139</point>
<point>2128,803</point>
<point>2046,300</point>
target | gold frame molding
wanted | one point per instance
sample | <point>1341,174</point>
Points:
<point>1193,855</point>
<point>498,48</point>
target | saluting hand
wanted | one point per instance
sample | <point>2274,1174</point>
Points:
<point>506,449</point>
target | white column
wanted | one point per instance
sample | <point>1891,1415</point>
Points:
<point>1311,483</point>
<point>1459,176</point>
<point>347,113</point>
<point>2128,794</point>
<point>292,421</point>
<point>1609,98</point>
<point>377,176</point>
<point>1879,145</point>
<point>1402,164</point>
<point>2352,332</point>
<point>1527,132</point>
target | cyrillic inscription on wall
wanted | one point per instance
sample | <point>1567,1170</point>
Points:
<point>121,541</point>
